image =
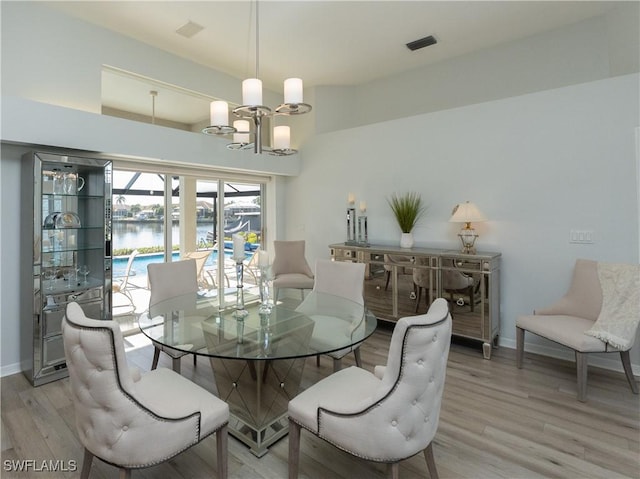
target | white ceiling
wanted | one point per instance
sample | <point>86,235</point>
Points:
<point>322,42</point>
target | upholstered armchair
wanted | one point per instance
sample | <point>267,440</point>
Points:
<point>344,280</point>
<point>389,415</point>
<point>166,281</point>
<point>127,419</point>
<point>599,314</point>
<point>290,268</point>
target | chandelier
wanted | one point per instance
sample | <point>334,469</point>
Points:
<point>253,111</point>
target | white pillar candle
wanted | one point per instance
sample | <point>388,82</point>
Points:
<point>351,199</point>
<point>363,207</point>
<point>252,92</point>
<point>293,90</point>
<point>281,138</point>
<point>238,248</point>
<point>263,258</point>
<point>242,135</point>
<point>219,113</point>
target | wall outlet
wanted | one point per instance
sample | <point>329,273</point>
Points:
<point>581,236</point>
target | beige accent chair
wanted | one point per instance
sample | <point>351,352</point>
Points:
<point>166,281</point>
<point>127,419</point>
<point>566,321</point>
<point>390,415</point>
<point>345,280</point>
<point>290,268</point>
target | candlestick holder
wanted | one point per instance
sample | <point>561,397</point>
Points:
<point>351,226</point>
<point>363,233</point>
<point>266,290</point>
<point>240,311</point>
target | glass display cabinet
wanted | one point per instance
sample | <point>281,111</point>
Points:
<point>65,254</point>
<point>403,282</point>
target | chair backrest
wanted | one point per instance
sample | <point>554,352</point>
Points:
<point>401,417</point>
<point>111,421</point>
<point>290,258</point>
<point>127,270</point>
<point>340,278</point>
<point>421,276</point>
<point>200,257</point>
<point>584,297</point>
<point>169,280</point>
<point>455,280</point>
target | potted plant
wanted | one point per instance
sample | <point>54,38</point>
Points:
<point>407,209</point>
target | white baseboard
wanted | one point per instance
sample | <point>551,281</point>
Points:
<point>8,370</point>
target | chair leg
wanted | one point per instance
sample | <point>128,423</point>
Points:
<point>418,298</point>
<point>581,367</point>
<point>86,464</point>
<point>395,470</point>
<point>176,364</point>
<point>626,365</point>
<point>431,462</point>
<point>195,360</point>
<point>318,360</point>
<point>156,357</point>
<point>388,277</point>
<point>337,365</point>
<point>275,295</point>
<point>125,473</point>
<point>294,449</point>
<point>356,353</point>
<point>519,347</point>
<point>222,439</point>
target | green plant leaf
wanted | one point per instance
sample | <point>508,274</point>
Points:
<point>408,209</point>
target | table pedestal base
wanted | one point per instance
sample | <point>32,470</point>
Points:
<point>258,393</point>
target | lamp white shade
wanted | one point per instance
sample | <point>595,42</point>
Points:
<point>252,92</point>
<point>242,131</point>
<point>219,113</point>
<point>351,198</point>
<point>281,138</point>
<point>293,90</point>
<point>467,213</point>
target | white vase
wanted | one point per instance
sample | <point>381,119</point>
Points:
<point>406,240</point>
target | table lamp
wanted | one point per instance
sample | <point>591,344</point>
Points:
<point>467,213</point>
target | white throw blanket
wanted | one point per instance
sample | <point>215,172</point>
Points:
<point>620,313</point>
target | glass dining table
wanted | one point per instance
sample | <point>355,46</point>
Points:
<point>258,357</point>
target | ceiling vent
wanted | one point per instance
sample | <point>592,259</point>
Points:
<point>189,29</point>
<point>423,42</point>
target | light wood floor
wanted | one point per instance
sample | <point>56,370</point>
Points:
<point>496,422</point>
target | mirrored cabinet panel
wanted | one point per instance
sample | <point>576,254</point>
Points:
<point>69,200</point>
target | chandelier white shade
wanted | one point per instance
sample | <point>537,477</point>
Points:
<point>252,92</point>
<point>252,111</point>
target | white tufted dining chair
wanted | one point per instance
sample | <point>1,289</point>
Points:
<point>166,281</point>
<point>391,414</point>
<point>345,280</point>
<point>118,410</point>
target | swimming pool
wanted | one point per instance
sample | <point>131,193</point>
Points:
<point>142,260</point>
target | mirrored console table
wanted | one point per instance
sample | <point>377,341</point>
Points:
<point>403,282</point>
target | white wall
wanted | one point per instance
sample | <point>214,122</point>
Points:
<point>537,165</point>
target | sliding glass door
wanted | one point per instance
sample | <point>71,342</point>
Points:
<point>167,217</point>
